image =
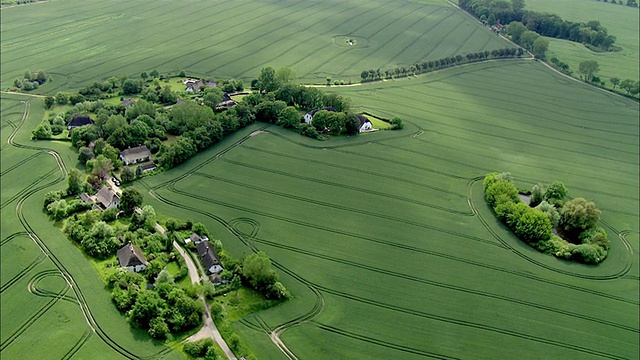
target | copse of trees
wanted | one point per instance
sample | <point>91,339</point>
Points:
<point>31,80</point>
<point>549,25</point>
<point>550,224</point>
<point>428,66</point>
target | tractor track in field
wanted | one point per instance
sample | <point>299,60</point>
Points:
<point>442,285</point>
<point>418,38</point>
<point>13,236</point>
<point>356,170</point>
<point>319,227</point>
<point>16,165</point>
<point>440,41</point>
<point>507,244</point>
<point>66,275</point>
<point>454,52</point>
<point>34,289</point>
<point>332,184</point>
<point>290,49</point>
<point>489,38</point>
<point>469,324</point>
<point>392,39</point>
<point>274,334</point>
<point>85,337</point>
<point>27,269</point>
<point>354,31</point>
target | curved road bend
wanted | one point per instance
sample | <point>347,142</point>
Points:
<point>209,329</point>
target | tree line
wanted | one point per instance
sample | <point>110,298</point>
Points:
<point>551,224</point>
<point>428,66</point>
<point>545,24</point>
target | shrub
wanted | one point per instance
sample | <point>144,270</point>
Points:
<point>109,214</point>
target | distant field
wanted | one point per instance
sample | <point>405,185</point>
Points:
<point>378,243</point>
<point>81,41</point>
<point>621,21</point>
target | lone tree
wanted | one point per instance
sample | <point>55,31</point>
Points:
<point>578,215</point>
<point>589,68</point>
<point>131,199</point>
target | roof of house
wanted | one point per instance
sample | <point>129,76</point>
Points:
<point>328,108</point>
<point>363,119</point>
<point>131,255</point>
<point>79,120</point>
<point>135,153</point>
<point>195,86</point>
<point>106,196</point>
<point>207,254</point>
<point>126,102</point>
<point>194,237</point>
<point>148,167</point>
<point>86,198</point>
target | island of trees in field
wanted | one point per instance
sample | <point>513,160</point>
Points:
<point>567,229</point>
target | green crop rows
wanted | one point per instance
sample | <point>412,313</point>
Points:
<point>75,41</point>
<point>384,239</point>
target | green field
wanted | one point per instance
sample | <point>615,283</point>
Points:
<point>621,21</point>
<point>383,239</point>
<point>377,239</point>
<point>230,39</point>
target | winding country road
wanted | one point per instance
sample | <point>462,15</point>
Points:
<point>209,330</point>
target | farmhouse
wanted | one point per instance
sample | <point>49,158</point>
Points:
<point>135,155</point>
<point>131,257</point>
<point>79,120</point>
<point>227,102</point>
<point>196,239</point>
<point>194,86</point>
<point>365,123</point>
<point>127,102</point>
<point>209,257</point>
<point>308,117</point>
<point>107,199</point>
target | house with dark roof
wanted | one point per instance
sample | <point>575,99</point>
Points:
<point>132,258</point>
<point>226,103</point>
<point>209,257</point>
<point>127,102</point>
<point>79,120</point>
<point>107,198</point>
<point>196,239</point>
<point>365,123</point>
<point>308,117</point>
<point>147,167</point>
<point>135,155</point>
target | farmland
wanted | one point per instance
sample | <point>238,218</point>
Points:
<point>621,21</point>
<point>230,39</point>
<point>377,239</point>
<point>384,239</point>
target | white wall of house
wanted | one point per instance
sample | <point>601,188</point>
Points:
<point>308,118</point>
<point>215,269</point>
<point>136,268</point>
<point>366,127</point>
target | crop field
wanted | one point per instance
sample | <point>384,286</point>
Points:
<point>78,42</point>
<point>386,242</point>
<point>53,305</point>
<point>621,21</point>
<point>384,239</point>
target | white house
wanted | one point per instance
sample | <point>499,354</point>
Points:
<point>135,155</point>
<point>365,123</point>
<point>106,198</point>
<point>131,257</point>
<point>308,117</point>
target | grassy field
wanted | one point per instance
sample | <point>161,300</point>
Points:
<point>53,296</point>
<point>230,39</point>
<point>621,21</point>
<point>385,239</point>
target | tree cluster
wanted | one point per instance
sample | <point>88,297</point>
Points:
<point>201,349</point>
<point>549,25</point>
<point>258,273</point>
<point>31,80</point>
<point>428,66</point>
<point>574,220</point>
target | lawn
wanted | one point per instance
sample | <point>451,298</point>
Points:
<point>203,38</point>
<point>621,21</point>
<point>375,237</point>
